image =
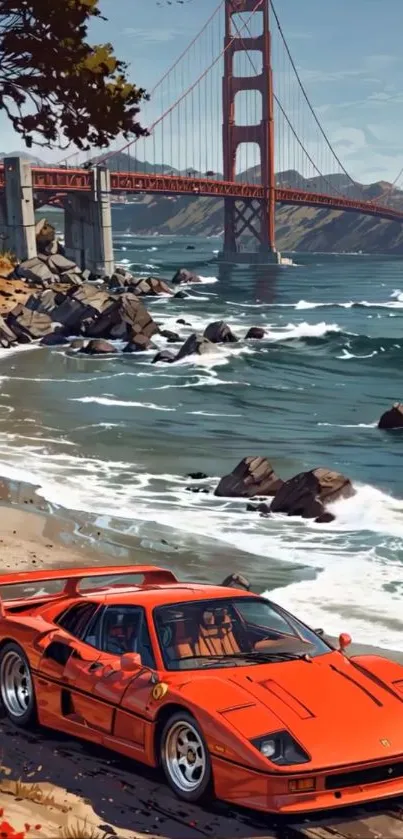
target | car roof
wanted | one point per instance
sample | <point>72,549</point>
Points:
<point>151,596</point>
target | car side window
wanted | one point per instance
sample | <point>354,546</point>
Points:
<point>122,629</point>
<point>75,619</point>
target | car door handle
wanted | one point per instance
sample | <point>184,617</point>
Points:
<point>95,666</point>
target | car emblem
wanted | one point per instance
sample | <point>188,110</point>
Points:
<point>385,743</point>
<point>159,691</point>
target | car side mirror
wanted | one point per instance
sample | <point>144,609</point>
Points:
<point>344,641</point>
<point>130,662</point>
<point>319,632</point>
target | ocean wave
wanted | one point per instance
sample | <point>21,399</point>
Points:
<point>122,403</point>
<point>296,331</point>
<point>341,554</point>
<point>349,304</point>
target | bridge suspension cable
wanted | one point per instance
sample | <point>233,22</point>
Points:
<point>287,119</point>
<point>170,70</point>
<point>189,89</point>
<point>306,97</point>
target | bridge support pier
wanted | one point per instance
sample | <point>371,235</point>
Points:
<point>88,226</point>
<point>17,214</point>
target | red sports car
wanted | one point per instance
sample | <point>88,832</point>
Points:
<point>231,694</point>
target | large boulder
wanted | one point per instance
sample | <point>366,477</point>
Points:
<point>307,493</point>
<point>128,316</point>
<point>183,276</point>
<point>195,345</point>
<point>45,236</point>
<point>35,270</point>
<point>138,343</point>
<point>54,339</point>
<point>172,337</point>
<point>7,337</point>
<point>83,303</point>
<point>46,301</point>
<point>98,347</point>
<point>392,418</point>
<point>70,278</point>
<point>256,333</point>
<point>59,264</point>
<point>219,333</point>
<point>253,476</point>
<point>164,356</point>
<point>29,325</point>
<point>150,286</point>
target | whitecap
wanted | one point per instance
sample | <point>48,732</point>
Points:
<point>106,400</point>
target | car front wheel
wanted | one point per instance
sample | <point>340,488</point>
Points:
<point>185,758</point>
<point>16,686</point>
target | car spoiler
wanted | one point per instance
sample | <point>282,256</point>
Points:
<point>72,577</point>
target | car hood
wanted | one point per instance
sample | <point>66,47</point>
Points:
<point>335,711</point>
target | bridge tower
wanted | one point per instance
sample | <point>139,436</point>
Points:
<point>245,216</point>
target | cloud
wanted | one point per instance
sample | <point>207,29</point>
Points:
<point>152,36</point>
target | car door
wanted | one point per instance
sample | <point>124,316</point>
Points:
<point>116,629</point>
<point>58,647</point>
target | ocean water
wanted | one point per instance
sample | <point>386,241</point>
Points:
<point>112,440</point>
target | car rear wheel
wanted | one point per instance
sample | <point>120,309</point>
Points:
<point>185,758</point>
<point>16,686</point>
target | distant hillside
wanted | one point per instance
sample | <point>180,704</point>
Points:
<point>298,228</point>
<point>35,161</point>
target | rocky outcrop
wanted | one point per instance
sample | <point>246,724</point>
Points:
<point>138,343</point>
<point>44,302</point>
<point>35,270</point>
<point>82,304</point>
<point>256,333</point>
<point>220,333</point>
<point>183,276</point>
<point>46,241</point>
<point>172,337</point>
<point>59,264</point>
<point>7,336</point>
<point>143,286</point>
<point>54,339</point>
<point>98,347</point>
<point>150,286</point>
<point>307,493</point>
<point>253,476</point>
<point>164,356</point>
<point>123,316</point>
<point>195,345</point>
<point>392,418</point>
<point>29,325</point>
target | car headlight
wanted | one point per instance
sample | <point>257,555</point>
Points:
<point>281,748</point>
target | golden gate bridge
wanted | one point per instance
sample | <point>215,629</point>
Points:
<point>233,112</point>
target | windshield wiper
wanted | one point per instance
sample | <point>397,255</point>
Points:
<point>260,655</point>
<point>252,655</point>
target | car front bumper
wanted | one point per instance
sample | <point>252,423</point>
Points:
<point>271,793</point>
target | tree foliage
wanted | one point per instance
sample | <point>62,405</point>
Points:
<point>54,86</point>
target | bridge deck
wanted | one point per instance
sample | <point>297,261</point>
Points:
<point>53,180</point>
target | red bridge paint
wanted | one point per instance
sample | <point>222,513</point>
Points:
<point>53,180</point>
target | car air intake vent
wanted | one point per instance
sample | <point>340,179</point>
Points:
<point>374,775</point>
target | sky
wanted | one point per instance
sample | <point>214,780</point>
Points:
<point>348,52</point>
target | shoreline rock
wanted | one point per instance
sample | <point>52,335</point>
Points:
<point>393,418</point>
<point>307,493</point>
<point>252,476</point>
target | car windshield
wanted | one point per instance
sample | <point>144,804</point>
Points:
<point>231,631</point>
